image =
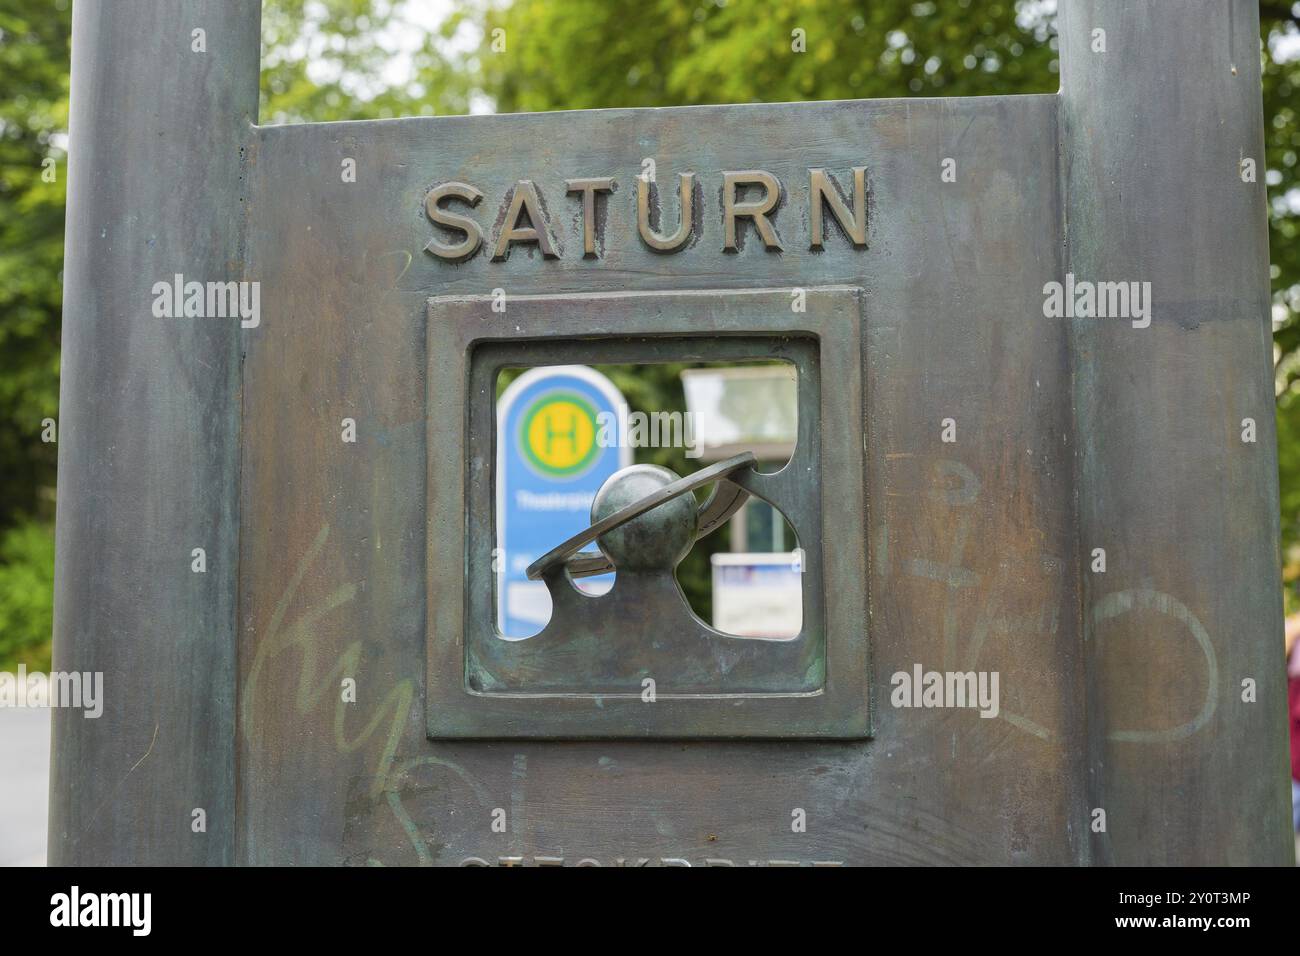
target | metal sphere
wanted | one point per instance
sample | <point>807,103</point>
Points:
<point>656,540</point>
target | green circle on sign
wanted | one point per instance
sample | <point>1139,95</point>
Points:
<point>558,434</point>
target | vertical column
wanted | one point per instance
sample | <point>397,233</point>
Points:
<point>1162,156</point>
<point>164,96</point>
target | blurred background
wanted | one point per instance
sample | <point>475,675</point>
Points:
<point>367,59</point>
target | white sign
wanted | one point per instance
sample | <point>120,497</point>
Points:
<point>758,595</point>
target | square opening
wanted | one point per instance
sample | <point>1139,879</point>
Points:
<point>611,643</point>
<point>637,662</point>
<point>564,430</point>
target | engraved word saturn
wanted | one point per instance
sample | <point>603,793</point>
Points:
<point>748,197</point>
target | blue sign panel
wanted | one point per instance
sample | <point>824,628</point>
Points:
<point>552,456</point>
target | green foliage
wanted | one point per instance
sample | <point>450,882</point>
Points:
<point>611,53</point>
<point>26,595</point>
<point>33,118</point>
<point>1281,147</point>
<point>33,121</point>
<point>325,60</point>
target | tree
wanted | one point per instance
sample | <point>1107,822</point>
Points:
<point>621,53</point>
<point>326,60</point>
<point>1281,146</point>
<point>33,124</point>
<point>33,121</point>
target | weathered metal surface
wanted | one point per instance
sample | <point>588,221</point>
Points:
<point>588,682</point>
<point>724,499</point>
<point>973,544</point>
<point>149,432</point>
<point>1154,133</point>
<point>649,516</point>
<point>1068,436</point>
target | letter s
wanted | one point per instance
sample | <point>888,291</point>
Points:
<point>459,251</point>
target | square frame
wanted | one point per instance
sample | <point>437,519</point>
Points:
<point>754,666</point>
<point>458,325</point>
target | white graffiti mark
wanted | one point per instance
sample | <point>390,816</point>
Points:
<point>1145,599</point>
<point>958,487</point>
<point>392,792</point>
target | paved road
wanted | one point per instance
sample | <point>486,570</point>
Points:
<point>24,785</point>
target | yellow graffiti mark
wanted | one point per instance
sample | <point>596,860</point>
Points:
<point>315,687</point>
<point>313,690</point>
<point>1025,724</point>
